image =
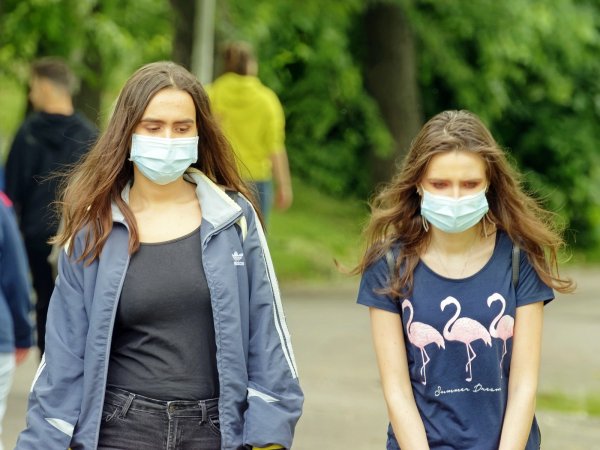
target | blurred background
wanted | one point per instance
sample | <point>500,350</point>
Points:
<point>357,79</point>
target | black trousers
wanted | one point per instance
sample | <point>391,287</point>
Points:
<point>43,284</point>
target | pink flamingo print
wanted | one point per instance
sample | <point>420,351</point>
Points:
<point>421,335</point>
<point>464,330</point>
<point>502,326</point>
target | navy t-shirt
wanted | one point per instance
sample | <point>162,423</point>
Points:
<point>458,337</point>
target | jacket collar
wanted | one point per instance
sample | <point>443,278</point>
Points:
<point>217,207</point>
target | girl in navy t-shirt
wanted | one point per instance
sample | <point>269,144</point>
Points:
<point>460,368</point>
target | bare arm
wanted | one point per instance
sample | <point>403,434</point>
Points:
<point>524,371</point>
<point>388,340</point>
<point>283,181</point>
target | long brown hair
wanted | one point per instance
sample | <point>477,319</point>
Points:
<point>91,187</point>
<point>395,210</point>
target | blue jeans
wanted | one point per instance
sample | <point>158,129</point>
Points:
<point>264,194</point>
<point>131,421</point>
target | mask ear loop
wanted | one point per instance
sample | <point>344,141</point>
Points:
<point>423,219</point>
<point>425,224</point>
<point>485,235</point>
<point>486,217</point>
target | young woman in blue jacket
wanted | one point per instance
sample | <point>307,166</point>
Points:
<point>165,329</point>
<point>456,312</point>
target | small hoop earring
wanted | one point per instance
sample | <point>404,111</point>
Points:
<point>425,224</point>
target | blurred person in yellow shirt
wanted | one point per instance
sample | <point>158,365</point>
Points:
<point>252,119</point>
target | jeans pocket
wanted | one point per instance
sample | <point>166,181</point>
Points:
<point>214,424</point>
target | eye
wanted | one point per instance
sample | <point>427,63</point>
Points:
<point>438,184</point>
<point>471,184</point>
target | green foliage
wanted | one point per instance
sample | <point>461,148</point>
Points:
<point>303,47</point>
<point>530,70</point>
<point>126,34</point>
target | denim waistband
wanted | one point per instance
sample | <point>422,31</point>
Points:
<point>174,408</point>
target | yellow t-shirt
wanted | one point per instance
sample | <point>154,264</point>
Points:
<point>252,119</point>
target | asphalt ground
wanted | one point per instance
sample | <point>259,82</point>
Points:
<point>344,407</point>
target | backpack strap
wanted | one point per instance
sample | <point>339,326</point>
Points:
<point>389,258</point>
<point>516,262</point>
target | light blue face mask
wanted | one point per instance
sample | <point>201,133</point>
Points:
<point>163,160</point>
<point>454,215</point>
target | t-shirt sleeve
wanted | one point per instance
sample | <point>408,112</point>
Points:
<point>530,288</point>
<point>374,279</point>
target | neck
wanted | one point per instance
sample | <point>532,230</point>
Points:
<point>145,194</point>
<point>455,243</point>
<point>59,106</point>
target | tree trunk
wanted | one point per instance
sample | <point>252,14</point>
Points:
<point>390,72</point>
<point>184,12</point>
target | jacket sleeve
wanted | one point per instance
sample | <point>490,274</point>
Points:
<point>56,392</point>
<point>274,394</point>
<point>14,278</point>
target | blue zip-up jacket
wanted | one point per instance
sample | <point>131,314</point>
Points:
<point>15,300</point>
<point>260,398</point>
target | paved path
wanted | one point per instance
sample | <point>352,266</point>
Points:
<point>344,406</point>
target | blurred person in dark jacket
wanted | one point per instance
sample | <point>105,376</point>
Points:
<point>53,137</point>
<point>15,328</point>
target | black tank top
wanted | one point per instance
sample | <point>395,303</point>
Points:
<point>163,343</point>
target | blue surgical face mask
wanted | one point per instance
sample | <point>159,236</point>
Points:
<point>163,160</point>
<point>454,215</point>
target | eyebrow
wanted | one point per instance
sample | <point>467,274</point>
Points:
<point>152,120</point>
<point>444,180</point>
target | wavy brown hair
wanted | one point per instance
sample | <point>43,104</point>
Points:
<point>395,210</point>
<point>95,183</point>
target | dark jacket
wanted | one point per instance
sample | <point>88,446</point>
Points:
<point>44,145</point>
<point>15,327</point>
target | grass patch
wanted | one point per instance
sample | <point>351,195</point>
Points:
<point>305,240</point>
<point>589,404</point>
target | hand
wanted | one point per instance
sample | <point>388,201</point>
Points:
<point>283,197</point>
<point>20,355</point>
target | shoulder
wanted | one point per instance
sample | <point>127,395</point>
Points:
<point>28,125</point>
<point>269,95</point>
<point>222,82</point>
